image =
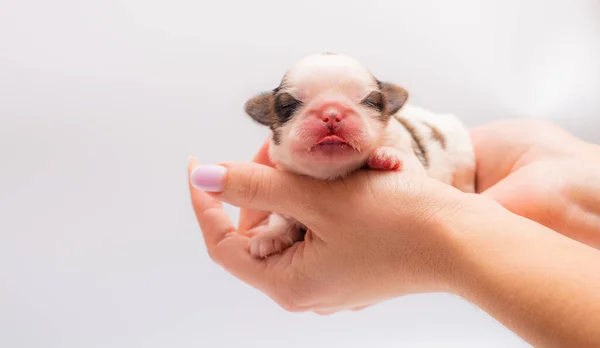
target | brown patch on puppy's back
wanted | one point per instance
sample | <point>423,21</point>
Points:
<point>437,135</point>
<point>419,147</point>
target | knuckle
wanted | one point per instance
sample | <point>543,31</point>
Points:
<point>212,256</point>
<point>295,301</point>
<point>215,256</point>
<point>252,184</point>
<point>291,306</point>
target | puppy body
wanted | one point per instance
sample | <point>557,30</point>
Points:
<point>448,153</point>
<point>330,116</point>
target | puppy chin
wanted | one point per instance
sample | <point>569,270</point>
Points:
<point>321,169</point>
<point>327,160</point>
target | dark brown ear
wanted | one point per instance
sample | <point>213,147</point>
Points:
<point>395,97</point>
<point>261,108</point>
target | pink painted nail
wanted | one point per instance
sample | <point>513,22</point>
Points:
<point>208,178</point>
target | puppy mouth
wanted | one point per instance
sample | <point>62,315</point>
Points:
<point>332,145</point>
<point>330,140</point>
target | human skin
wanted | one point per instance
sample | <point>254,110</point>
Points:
<point>538,170</point>
<point>415,233</point>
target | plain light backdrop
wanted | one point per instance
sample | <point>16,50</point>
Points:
<point>102,102</point>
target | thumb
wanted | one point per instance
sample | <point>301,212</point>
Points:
<point>259,187</point>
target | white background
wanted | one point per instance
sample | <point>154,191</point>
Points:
<point>101,102</point>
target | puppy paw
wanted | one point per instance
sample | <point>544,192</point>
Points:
<point>384,158</point>
<point>263,245</point>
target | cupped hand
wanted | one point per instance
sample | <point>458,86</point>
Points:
<point>372,236</point>
<point>538,170</point>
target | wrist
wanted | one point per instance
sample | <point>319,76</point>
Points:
<point>453,249</point>
<point>474,239</point>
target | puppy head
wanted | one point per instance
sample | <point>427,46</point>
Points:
<point>327,115</point>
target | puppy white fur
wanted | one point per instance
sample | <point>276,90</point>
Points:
<point>330,116</point>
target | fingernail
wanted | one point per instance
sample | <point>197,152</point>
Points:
<point>208,178</point>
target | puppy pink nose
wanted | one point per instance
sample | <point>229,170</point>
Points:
<point>331,115</point>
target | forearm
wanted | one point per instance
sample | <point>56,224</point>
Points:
<point>542,285</point>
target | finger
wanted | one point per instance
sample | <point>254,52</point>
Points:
<point>209,213</point>
<point>226,247</point>
<point>250,218</point>
<point>259,187</point>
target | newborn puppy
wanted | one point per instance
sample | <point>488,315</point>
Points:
<point>330,116</point>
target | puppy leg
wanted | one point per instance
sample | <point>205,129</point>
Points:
<point>385,158</point>
<point>393,158</point>
<point>279,234</point>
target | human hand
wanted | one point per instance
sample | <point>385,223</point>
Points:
<point>392,234</point>
<point>537,170</point>
<point>385,237</point>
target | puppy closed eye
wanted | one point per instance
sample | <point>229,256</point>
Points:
<point>374,100</point>
<point>285,106</point>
